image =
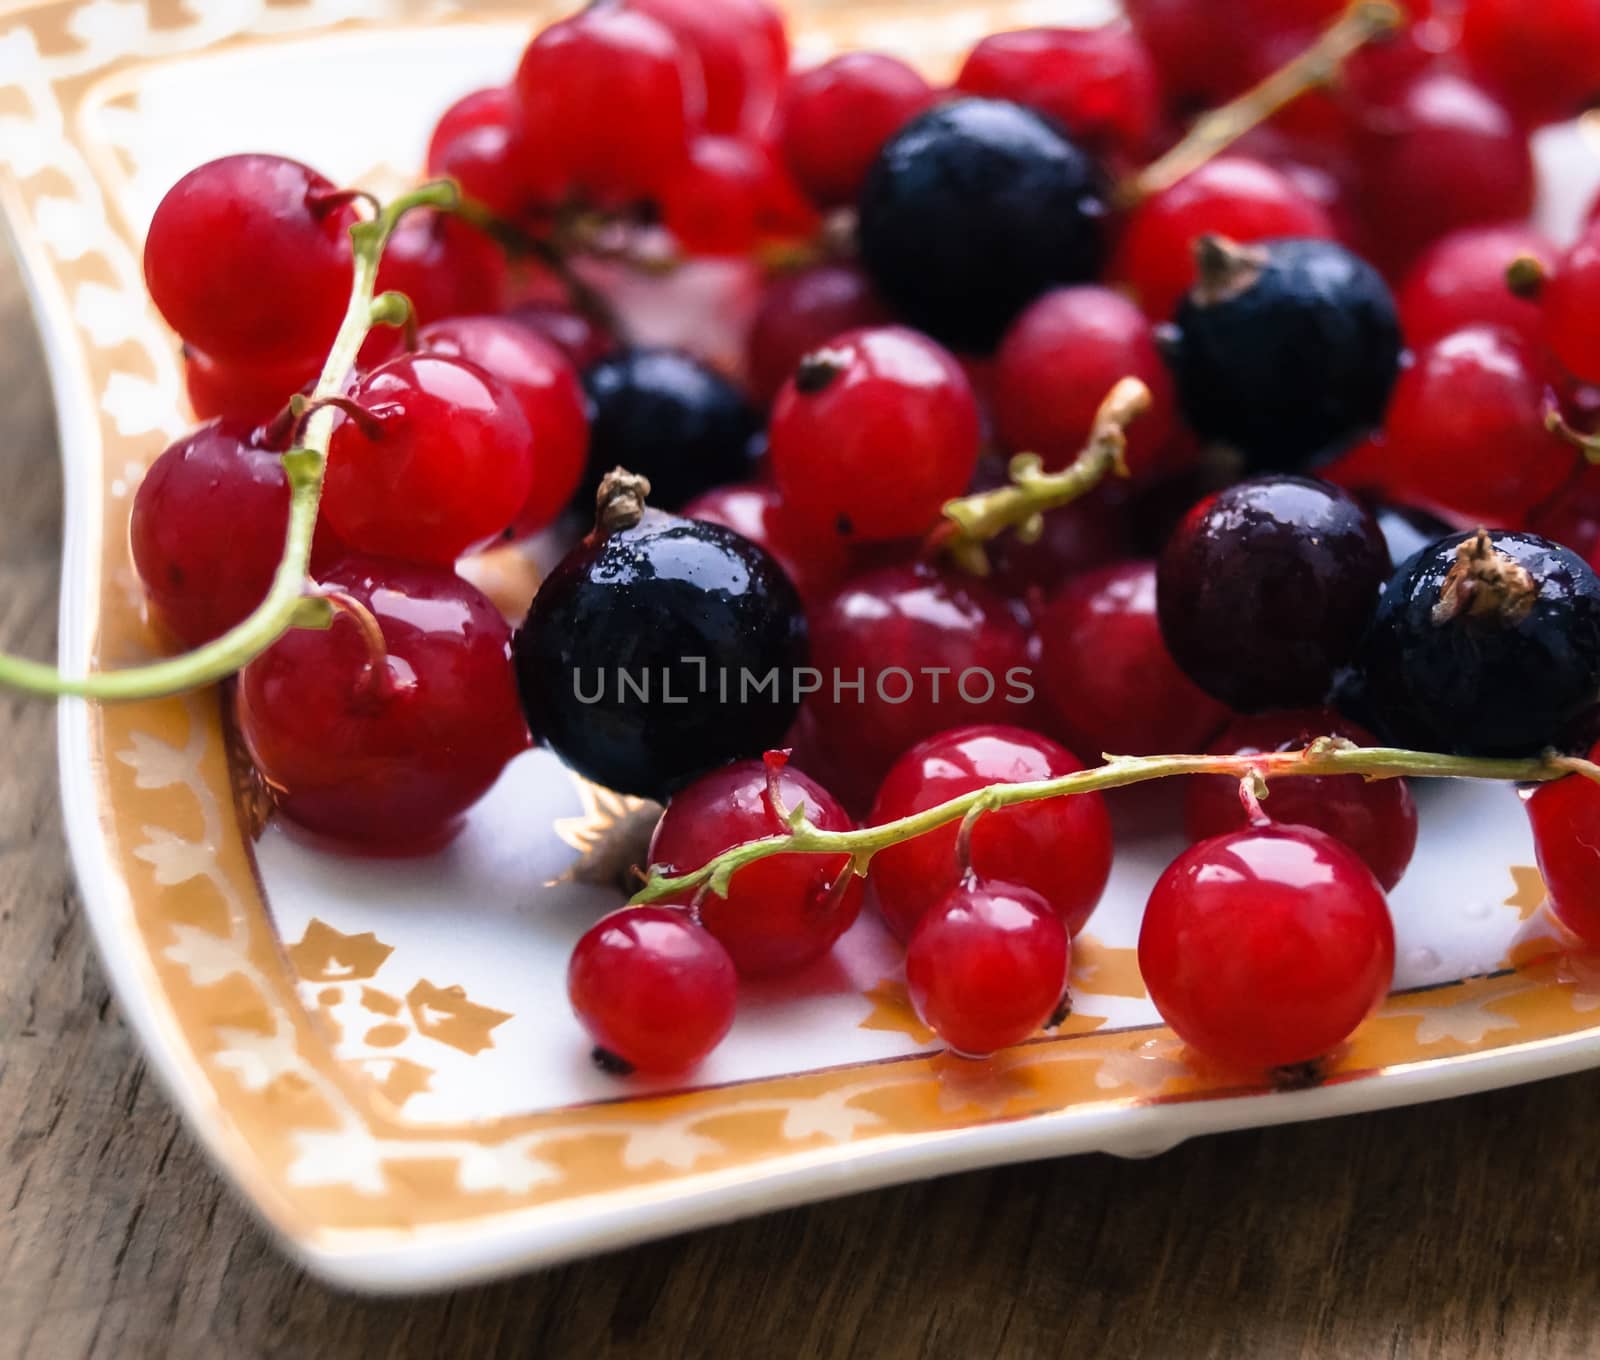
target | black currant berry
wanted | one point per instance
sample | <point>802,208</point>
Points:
<point>1286,349</point>
<point>1264,590</point>
<point>671,419</point>
<point>1483,644</point>
<point>659,648</point>
<point>972,211</point>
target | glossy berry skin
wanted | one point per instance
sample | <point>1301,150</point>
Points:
<point>665,415</point>
<point>1057,363</point>
<point>1107,675</point>
<point>1568,300</point>
<point>1441,154</point>
<point>1265,589</point>
<point>546,389</point>
<point>713,203</point>
<point>252,393</point>
<point>442,461</point>
<point>1092,531</point>
<point>972,211</point>
<point>478,142</point>
<point>1267,947</point>
<point>583,340</point>
<point>1376,819</point>
<point>1058,848</point>
<point>445,266</point>
<point>1566,834</point>
<point>653,989</point>
<point>987,966</point>
<point>815,563</point>
<point>835,119</point>
<point>1466,427</point>
<point>618,93</point>
<point>782,913</point>
<point>916,620</point>
<point>1289,354</point>
<point>1098,83</point>
<point>1460,280</point>
<point>1232,196</point>
<point>232,241</point>
<point>802,311</point>
<point>666,601</point>
<point>1504,676</point>
<point>207,529</point>
<point>743,51</point>
<point>872,434</point>
<point>385,754</point>
<point>1543,60</point>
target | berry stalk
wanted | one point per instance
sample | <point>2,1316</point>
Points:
<point>1326,756</point>
<point>287,604</point>
<point>1361,23</point>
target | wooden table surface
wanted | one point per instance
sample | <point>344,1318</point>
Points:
<point>1470,1228</point>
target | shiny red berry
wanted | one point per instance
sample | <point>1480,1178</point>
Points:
<point>1059,848</point>
<point>873,433</point>
<point>252,393</point>
<point>547,390</point>
<point>1543,59</point>
<point>385,747</point>
<point>987,966</point>
<point>1568,301</point>
<point>743,49</point>
<point>439,460</point>
<point>1111,683</point>
<point>1267,947</point>
<point>652,989</point>
<point>816,563</point>
<point>1460,280</point>
<point>1566,833</point>
<point>479,143</point>
<point>712,204</point>
<point>248,259</point>
<point>802,311</point>
<point>1377,819</point>
<point>781,913</point>
<point>581,338</point>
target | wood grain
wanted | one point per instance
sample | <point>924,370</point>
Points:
<point>1465,1229</point>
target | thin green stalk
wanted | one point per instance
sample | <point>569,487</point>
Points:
<point>287,604</point>
<point>1323,757</point>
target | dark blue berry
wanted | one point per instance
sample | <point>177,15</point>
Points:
<point>1264,590</point>
<point>658,649</point>
<point>669,418</point>
<point>973,210</point>
<point>1483,644</point>
<point>1287,350</point>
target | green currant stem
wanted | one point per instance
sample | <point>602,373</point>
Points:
<point>1361,23</point>
<point>971,521</point>
<point>287,604</point>
<point>1326,756</point>
<point>1587,444</point>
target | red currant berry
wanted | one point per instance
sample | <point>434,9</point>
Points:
<point>545,386</point>
<point>251,393</point>
<point>836,117</point>
<point>207,529</point>
<point>478,142</point>
<point>1267,947</point>
<point>386,748</point>
<point>1442,154</point>
<point>618,93</point>
<point>444,266</point>
<point>1230,196</point>
<point>1466,427</point>
<point>1460,280</point>
<point>1059,848</point>
<point>1573,518</point>
<point>1566,833</point>
<point>712,204</point>
<point>873,434</point>
<point>248,259</point>
<point>743,50</point>
<point>801,312</point>
<point>1376,819</point>
<point>1093,531</point>
<point>1542,59</point>
<point>1111,683</point>
<point>581,338</point>
<point>1196,51</point>
<point>1098,83</point>
<point>439,459</point>
<point>652,988</point>
<point>780,913</point>
<point>904,652</point>
<point>815,563</point>
<point>1568,299</point>
<point>987,967</point>
<point>1057,363</point>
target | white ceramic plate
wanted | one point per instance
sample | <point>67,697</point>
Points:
<point>379,1054</point>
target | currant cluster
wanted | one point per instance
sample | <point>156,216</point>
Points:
<point>827,590</point>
